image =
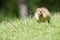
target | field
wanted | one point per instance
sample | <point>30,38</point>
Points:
<point>29,29</point>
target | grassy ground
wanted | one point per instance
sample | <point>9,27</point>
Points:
<point>15,29</point>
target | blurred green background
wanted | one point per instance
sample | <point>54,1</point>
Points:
<point>9,8</point>
<point>12,28</point>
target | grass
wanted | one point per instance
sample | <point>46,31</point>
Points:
<point>29,29</point>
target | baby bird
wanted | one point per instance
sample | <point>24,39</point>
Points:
<point>42,14</point>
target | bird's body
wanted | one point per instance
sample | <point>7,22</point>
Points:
<point>42,14</point>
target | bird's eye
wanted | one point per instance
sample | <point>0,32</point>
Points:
<point>40,12</point>
<point>40,15</point>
